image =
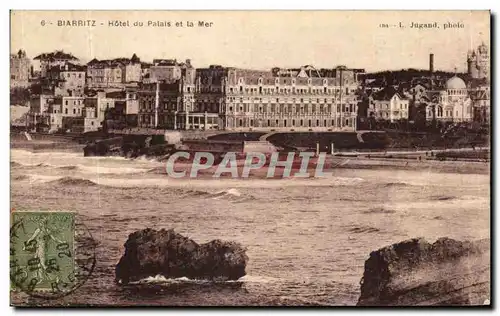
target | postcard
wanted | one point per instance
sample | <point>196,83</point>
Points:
<point>250,158</point>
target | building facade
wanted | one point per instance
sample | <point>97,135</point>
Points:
<point>48,60</point>
<point>390,105</point>
<point>167,70</point>
<point>478,63</point>
<point>114,73</point>
<point>240,99</point>
<point>20,69</point>
<point>480,95</point>
<point>68,79</point>
<point>452,104</point>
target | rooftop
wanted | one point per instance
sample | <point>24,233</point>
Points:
<point>57,55</point>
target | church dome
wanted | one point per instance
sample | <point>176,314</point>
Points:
<point>455,83</point>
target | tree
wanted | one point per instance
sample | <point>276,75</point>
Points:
<point>19,95</point>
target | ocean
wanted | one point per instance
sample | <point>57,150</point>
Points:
<point>307,239</point>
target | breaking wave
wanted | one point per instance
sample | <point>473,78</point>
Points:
<point>362,229</point>
<point>342,181</point>
<point>70,181</point>
<point>441,198</point>
<point>95,169</point>
<point>397,184</point>
<point>68,168</point>
<point>160,279</point>
<point>379,210</point>
<point>229,192</point>
<point>20,177</point>
<point>110,170</point>
<point>195,193</point>
<point>14,164</point>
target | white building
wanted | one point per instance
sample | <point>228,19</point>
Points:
<point>453,103</point>
<point>388,104</point>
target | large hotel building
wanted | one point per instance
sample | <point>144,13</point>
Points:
<point>302,99</point>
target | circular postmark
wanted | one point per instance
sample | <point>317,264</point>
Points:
<point>51,253</point>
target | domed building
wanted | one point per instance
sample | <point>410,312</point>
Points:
<point>453,103</point>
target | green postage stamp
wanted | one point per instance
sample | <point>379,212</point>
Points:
<point>42,251</point>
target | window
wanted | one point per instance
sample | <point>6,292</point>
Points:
<point>92,123</point>
<point>66,102</point>
<point>66,111</point>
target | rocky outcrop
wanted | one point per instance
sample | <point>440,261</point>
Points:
<point>152,252</point>
<point>415,272</point>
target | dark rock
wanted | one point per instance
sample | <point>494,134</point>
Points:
<point>150,252</point>
<point>415,272</point>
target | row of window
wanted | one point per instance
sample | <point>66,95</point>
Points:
<point>292,90</point>
<point>285,81</point>
<point>457,92</point>
<point>66,111</point>
<point>75,102</point>
<point>387,114</point>
<point>68,75</point>
<point>293,123</point>
<point>286,100</point>
<point>273,108</point>
<point>281,108</point>
<point>380,106</point>
<point>448,113</point>
<point>149,121</point>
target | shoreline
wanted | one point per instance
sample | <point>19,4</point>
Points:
<point>434,166</point>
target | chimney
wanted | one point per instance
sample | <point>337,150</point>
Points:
<point>431,63</point>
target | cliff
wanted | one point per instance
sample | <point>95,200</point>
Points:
<point>152,252</point>
<point>417,273</point>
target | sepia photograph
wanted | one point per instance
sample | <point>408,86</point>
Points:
<point>250,158</point>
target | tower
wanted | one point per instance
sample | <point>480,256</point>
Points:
<point>478,62</point>
<point>431,63</point>
<point>471,64</point>
<point>483,61</point>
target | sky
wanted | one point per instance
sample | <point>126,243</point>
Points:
<point>261,39</point>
